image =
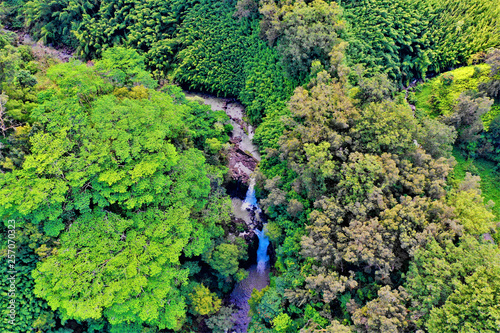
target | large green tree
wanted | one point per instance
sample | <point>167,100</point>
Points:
<point>124,152</point>
<point>126,269</point>
<point>357,197</point>
<point>119,172</point>
<point>455,286</point>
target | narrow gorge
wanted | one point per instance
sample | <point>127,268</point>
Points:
<point>243,158</point>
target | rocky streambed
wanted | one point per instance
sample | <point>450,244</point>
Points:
<point>243,159</point>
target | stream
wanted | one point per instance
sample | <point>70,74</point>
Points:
<point>258,275</point>
<point>243,158</point>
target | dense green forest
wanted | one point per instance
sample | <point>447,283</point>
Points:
<point>378,126</point>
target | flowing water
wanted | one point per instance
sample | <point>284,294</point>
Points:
<point>247,210</point>
<point>262,256</point>
<point>258,275</point>
<point>250,199</point>
<point>250,204</point>
<point>241,294</point>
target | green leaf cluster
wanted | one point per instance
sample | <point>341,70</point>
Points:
<point>113,266</point>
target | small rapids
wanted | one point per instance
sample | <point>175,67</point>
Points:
<point>250,203</point>
<point>242,162</point>
<point>258,275</point>
<point>250,199</point>
<point>262,256</point>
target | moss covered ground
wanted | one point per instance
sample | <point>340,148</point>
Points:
<point>490,177</point>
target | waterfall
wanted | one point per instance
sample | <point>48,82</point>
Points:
<point>242,164</point>
<point>258,276</point>
<point>250,199</point>
<point>262,257</point>
<point>250,203</point>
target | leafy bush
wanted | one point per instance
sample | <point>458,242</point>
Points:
<point>438,96</point>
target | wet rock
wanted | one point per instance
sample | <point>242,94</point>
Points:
<point>241,164</point>
<point>248,236</point>
<point>235,140</point>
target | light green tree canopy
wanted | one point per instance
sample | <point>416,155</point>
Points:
<point>126,269</point>
<point>122,152</point>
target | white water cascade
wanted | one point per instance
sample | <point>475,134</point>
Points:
<point>258,275</point>
<point>242,163</point>
<point>250,199</point>
<point>250,203</point>
<point>262,256</point>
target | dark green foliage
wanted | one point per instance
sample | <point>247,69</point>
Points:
<point>309,32</point>
<point>31,312</point>
<point>223,321</point>
<point>6,38</point>
<point>269,305</point>
<point>373,89</point>
<point>492,138</point>
<point>147,26</point>
<point>11,13</point>
<point>151,27</point>
<point>25,79</point>
<point>372,196</point>
<point>214,52</point>
<point>459,29</point>
<point>436,138</point>
<point>466,119</point>
<point>266,85</point>
<point>223,56</point>
<point>492,87</point>
<point>270,130</point>
<point>387,313</point>
<point>407,39</point>
<point>385,128</point>
<point>388,37</point>
<point>246,8</point>
<point>52,21</point>
<point>15,147</point>
<point>225,259</point>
